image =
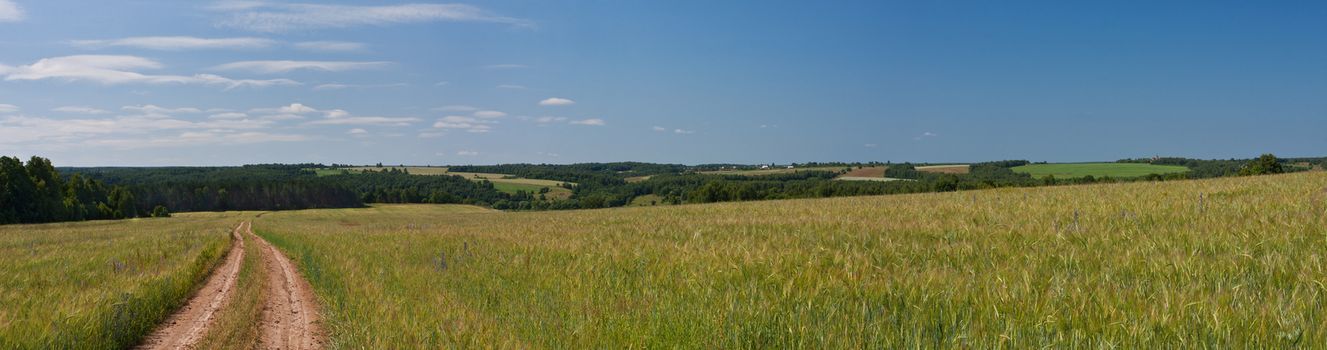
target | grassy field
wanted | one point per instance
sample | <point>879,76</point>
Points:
<point>945,169</point>
<point>102,284</point>
<point>1076,170</point>
<point>1224,263</point>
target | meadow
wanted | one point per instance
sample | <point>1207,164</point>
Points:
<point>102,284</point>
<point>1232,262</point>
<point>1077,170</point>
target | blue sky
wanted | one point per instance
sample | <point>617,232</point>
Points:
<point>223,83</point>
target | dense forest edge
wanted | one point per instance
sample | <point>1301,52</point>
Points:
<point>38,192</point>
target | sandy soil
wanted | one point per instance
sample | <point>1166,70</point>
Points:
<point>188,325</point>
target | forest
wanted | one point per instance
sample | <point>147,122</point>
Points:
<point>39,192</point>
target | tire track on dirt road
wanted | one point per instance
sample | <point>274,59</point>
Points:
<point>188,325</point>
<point>290,317</point>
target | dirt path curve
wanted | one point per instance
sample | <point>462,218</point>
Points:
<point>189,324</point>
<point>290,314</point>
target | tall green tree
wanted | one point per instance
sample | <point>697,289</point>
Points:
<point>1265,164</point>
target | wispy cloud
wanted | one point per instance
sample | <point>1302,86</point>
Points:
<point>506,66</point>
<point>158,110</point>
<point>469,124</point>
<point>269,67</point>
<point>467,153</point>
<point>490,114</point>
<point>924,135</point>
<point>341,117</point>
<point>282,17</point>
<point>80,110</point>
<point>228,115</point>
<point>683,131</point>
<point>556,101</point>
<point>659,128</point>
<point>10,12</point>
<point>134,131</point>
<point>548,120</point>
<point>114,69</point>
<point>330,46</point>
<point>591,122</point>
<point>177,43</point>
<point>8,108</point>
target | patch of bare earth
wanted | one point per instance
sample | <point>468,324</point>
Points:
<point>290,314</point>
<point>875,171</point>
<point>945,169</point>
<point>188,325</point>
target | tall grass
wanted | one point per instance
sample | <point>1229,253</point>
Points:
<point>103,284</point>
<point>1137,265</point>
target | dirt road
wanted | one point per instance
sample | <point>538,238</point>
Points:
<point>188,325</point>
<point>289,317</point>
<point>290,314</point>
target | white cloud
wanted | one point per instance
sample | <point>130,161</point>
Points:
<point>341,117</point>
<point>176,43</point>
<point>685,132</point>
<point>113,69</point>
<point>467,153</point>
<point>506,66</point>
<point>870,145</point>
<point>196,139</point>
<point>330,46</point>
<point>79,110</point>
<point>512,87</point>
<point>490,114</point>
<point>659,128</point>
<point>441,83</point>
<point>556,101</point>
<point>135,131</point>
<point>279,17</point>
<point>158,110</point>
<point>269,67</point>
<point>927,134</point>
<point>591,121</point>
<point>10,12</point>
<point>357,131</point>
<point>5,108</point>
<point>456,108</point>
<point>296,108</point>
<point>228,115</point>
<point>469,124</point>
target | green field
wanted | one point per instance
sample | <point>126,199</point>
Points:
<point>1076,170</point>
<point>102,284</point>
<point>1224,263</point>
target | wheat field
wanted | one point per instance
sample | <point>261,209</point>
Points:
<point>1233,262</point>
<point>102,284</point>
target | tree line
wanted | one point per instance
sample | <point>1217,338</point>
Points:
<point>36,193</point>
